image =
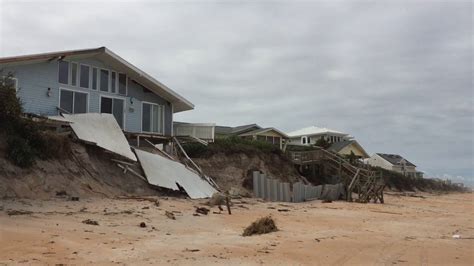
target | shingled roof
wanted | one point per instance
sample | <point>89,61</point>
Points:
<point>395,159</point>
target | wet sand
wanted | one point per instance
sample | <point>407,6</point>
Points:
<point>404,231</point>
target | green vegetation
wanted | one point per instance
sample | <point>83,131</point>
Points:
<point>397,181</point>
<point>230,145</point>
<point>26,140</point>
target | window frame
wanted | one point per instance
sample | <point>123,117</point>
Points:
<point>116,97</point>
<point>90,76</point>
<point>118,84</point>
<point>100,79</point>
<point>151,118</point>
<point>73,98</point>
<point>68,71</point>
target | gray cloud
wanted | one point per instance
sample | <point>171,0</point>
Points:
<point>396,75</point>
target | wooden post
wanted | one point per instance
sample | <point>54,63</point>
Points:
<point>227,203</point>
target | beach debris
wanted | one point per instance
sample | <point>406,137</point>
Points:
<point>90,222</point>
<point>456,236</point>
<point>170,215</point>
<point>283,210</point>
<point>163,172</point>
<point>142,224</point>
<point>263,225</point>
<point>18,212</point>
<point>327,201</point>
<point>191,250</point>
<point>202,210</point>
<point>61,193</point>
<point>74,198</point>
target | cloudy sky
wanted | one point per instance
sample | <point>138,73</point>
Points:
<point>397,75</point>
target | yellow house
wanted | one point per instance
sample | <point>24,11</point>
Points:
<point>270,135</point>
<point>348,146</point>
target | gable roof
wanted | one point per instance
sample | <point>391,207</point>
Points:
<point>338,146</point>
<point>314,130</point>
<point>235,130</point>
<point>263,130</point>
<point>179,103</point>
<point>394,159</point>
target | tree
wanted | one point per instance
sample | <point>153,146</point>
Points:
<point>322,143</point>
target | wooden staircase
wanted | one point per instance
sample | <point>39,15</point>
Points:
<point>366,184</point>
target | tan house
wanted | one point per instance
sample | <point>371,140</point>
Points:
<point>394,162</point>
<point>254,132</point>
<point>347,147</point>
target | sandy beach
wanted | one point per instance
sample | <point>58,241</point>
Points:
<point>404,231</point>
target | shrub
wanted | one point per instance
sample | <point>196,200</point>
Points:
<point>231,145</point>
<point>19,152</point>
<point>263,225</point>
<point>10,104</point>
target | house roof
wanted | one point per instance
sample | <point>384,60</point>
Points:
<point>338,146</point>
<point>235,130</point>
<point>314,130</point>
<point>263,130</point>
<point>106,55</point>
<point>394,159</point>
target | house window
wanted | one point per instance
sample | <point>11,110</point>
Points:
<point>261,138</point>
<point>84,76</point>
<point>73,102</point>
<point>73,74</point>
<point>63,72</point>
<point>113,82</point>
<point>10,82</point>
<point>94,78</point>
<point>303,140</point>
<point>122,86</point>
<point>152,118</point>
<point>276,140</point>
<point>113,106</point>
<point>104,80</point>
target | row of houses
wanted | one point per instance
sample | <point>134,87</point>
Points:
<point>99,81</point>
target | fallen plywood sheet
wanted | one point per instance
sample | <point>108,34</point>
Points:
<point>163,172</point>
<point>102,130</point>
<point>58,118</point>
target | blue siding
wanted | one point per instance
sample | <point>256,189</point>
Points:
<point>35,79</point>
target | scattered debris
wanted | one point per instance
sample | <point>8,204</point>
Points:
<point>91,222</point>
<point>202,210</point>
<point>18,212</point>
<point>456,236</point>
<point>327,201</point>
<point>142,224</point>
<point>74,198</point>
<point>263,225</point>
<point>163,172</point>
<point>61,193</point>
<point>145,208</point>
<point>191,250</point>
<point>170,215</point>
<point>283,210</point>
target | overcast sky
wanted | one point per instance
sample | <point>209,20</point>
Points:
<point>397,75</point>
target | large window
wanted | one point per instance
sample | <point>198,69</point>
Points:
<point>94,78</point>
<point>104,80</point>
<point>122,88</point>
<point>73,102</point>
<point>84,76</point>
<point>63,72</point>
<point>152,118</point>
<point>113,106</point>
<point>113,83</point>
<point>73,74</point>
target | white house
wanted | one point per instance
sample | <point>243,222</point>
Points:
<point>394,162</point>
<point>309,135</point>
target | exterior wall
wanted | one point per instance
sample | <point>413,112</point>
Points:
<point>347,150</point>
<point>201,131</point>
<point>376,160</point>
<point>313,138</point>
<point>34,81</point>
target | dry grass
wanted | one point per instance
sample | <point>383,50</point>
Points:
<point>263,225</point>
